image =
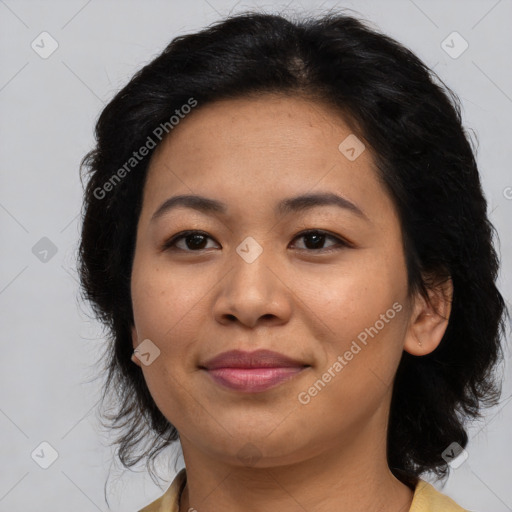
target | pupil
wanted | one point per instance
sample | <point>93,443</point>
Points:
<point>319,239</point>
<point>198,240</point>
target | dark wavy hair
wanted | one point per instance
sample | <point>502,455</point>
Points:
<point>411,122</point>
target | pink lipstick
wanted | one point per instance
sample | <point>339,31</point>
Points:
<point>252,372</point>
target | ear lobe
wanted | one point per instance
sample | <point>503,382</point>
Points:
<point>429,319</point>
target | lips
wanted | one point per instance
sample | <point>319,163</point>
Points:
<point>251,372</point>
<point>257,359</point>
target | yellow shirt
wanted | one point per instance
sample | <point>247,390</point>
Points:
<point>426,498</point>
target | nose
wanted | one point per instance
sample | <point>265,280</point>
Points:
<point>253,293</point>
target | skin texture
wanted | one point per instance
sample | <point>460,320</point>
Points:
<point>329,454</point>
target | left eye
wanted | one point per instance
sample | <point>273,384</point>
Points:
<point>195,241</point>
<point>318,237</point>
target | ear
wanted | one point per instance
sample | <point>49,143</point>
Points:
<point>135,342</point>
<point>429,319</point>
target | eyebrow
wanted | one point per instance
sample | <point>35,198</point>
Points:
<point>291,205</point>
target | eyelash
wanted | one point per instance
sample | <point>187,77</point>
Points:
<point>170,243</point>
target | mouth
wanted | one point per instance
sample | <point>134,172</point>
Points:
<point>257,359</point>
<point>252,372</point>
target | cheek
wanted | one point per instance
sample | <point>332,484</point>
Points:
<point>167,310</point>
<point>362,316</point>
<point>360,352</point>
<point>166,303</point>
<point>348,301</point>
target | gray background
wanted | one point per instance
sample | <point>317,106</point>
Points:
<point>49,106</point>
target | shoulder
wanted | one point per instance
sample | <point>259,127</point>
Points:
<point>169,501</point>
<point>428,499</point>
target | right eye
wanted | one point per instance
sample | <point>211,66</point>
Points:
<point>194,241</point>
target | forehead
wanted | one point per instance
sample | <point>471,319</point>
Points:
<point>252,150</point>
<point>265,124</point>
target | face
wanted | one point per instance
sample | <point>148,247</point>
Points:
<point>323,284</point>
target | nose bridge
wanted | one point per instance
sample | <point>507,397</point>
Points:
<point>252,288</point>
<point>250,273</point>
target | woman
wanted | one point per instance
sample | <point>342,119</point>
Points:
<point>285,232</point>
